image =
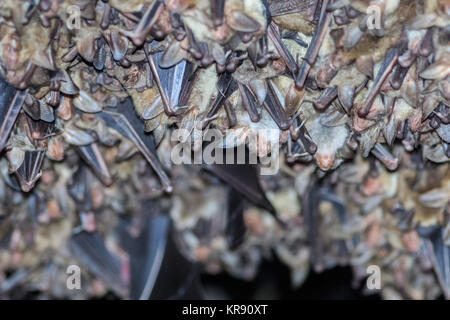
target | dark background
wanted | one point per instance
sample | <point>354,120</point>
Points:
<point>273,282</point>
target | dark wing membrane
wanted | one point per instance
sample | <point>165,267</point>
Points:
<point>30,170</point>
<point>225,87</point>
<point>276,109</point>
<point>80,189</point>
<point>310,210</point>
<point>11,101</point>
<point>146,254</point>
<point>175,80</point>
<point>235,228</point>
<point>125,120</point>
<point>91,251</point>
<point>439,254</point>
<point>244,178</point>
<point>91,155</point>
<point>179,278</point>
